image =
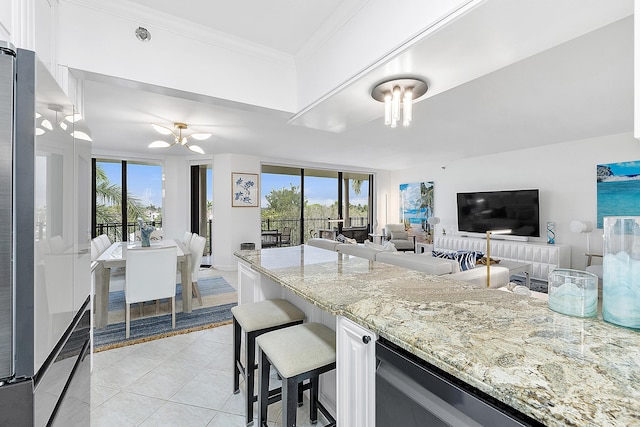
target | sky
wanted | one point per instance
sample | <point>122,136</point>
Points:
<point>145,182</point>
<point>322,191</point>
<point>625,168</point>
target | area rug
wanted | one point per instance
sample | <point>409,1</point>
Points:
<point>217,296</point>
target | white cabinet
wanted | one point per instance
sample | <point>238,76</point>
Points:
<point>356,369</point>
<point>542,257</point>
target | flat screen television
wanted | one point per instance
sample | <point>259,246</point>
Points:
<point>517,210</point>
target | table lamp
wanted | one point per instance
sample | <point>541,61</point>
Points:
<point>582,227</point>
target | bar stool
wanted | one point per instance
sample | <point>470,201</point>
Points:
<point>256,319</point>
<point>297,353</point>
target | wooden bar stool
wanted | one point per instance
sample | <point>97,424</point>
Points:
<point>256,319</point>
<point>297,353</point>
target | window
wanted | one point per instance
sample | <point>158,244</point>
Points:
<point>315,203</point>
<point>126,191</point>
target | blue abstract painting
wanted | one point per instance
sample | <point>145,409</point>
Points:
<point>416,203</point>
<point>618,190</point>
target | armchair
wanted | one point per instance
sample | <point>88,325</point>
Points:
<point>397,235</point>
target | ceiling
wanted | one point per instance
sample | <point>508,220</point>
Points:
<point>578,88</point>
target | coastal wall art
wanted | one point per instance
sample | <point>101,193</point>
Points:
<point>416,205</point>
<point>618,187</point>
<point>244,190</point>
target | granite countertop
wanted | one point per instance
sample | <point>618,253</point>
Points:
<point>557,369</point>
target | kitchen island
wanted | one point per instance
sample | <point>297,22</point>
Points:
<point>556,369</point>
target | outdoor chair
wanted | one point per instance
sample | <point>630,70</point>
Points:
<point>285,238</point>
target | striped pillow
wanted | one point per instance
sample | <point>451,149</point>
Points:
<point>466,259</point>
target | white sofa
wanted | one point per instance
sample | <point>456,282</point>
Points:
<point>360,251</point>
<point>427,264</point>
<point>323,243</point>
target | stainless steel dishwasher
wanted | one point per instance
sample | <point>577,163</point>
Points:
<point>410,392</point>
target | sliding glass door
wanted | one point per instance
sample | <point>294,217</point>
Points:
<point>202,203</point>
<point>124,192</point>
<point>280,206</point>
<point>313,203</point>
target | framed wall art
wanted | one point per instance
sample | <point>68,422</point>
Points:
<point>618,187</point>
<point>244,190</point>
<point>416,207</point>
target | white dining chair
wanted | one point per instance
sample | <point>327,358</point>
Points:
<point>106,242</point>
<point>150,275</point>
<point>99,245</point>
<point>94,251</point>
<point>196,248</point>
<point>186,240</point>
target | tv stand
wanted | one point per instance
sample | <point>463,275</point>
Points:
<point>542,257</point>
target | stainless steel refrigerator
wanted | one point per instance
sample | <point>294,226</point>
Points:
<point>45,286</point>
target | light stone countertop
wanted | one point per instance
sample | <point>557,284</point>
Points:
<point>557,369</point>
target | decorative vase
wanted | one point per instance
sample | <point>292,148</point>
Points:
<point>551,233</point>
<point>145,236</point>
<point>145,233</point>
<point>573,292</point>
<point>621,271</point>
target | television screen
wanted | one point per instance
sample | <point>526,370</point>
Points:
<point>515,210</point>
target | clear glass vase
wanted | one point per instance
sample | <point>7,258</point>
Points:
<point>621,271</point>
<point>573,292</point>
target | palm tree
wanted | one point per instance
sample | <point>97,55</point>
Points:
<point>109,201</point>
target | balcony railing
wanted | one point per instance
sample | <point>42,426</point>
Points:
<point>114,231</point>
<point>311,226</point>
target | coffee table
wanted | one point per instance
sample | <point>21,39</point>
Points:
<point>517,267</point>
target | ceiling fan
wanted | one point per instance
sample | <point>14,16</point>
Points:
<point>178,137</point>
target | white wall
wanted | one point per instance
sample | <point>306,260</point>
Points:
<point>564,173</point>
<point>180,55</point>
<point>232,226</point>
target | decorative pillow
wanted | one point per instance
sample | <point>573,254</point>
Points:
<point>344,239</point>
<point>399,235</point>
<point>466,259</point>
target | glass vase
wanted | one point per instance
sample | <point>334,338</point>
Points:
<point>551,233</point>
<point>621,271</point>
<point>573,292</point>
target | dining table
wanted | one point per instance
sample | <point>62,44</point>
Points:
<point>115,256</point>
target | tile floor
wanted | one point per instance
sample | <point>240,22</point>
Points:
<point>183,380</point>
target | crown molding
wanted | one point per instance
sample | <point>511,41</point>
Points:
<point>142,15</point>
<point>338,19</point>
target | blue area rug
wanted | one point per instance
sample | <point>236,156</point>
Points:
<point>159,326</point>
<point>208,286</point>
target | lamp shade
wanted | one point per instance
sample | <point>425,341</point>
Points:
<point>581,226</point>
<point>433,220</point>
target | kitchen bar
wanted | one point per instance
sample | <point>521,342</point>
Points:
<point>555,369</point>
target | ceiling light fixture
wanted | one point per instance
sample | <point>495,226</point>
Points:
<point>399,94</point>
<point>178,138</point>
<point>71,123</point>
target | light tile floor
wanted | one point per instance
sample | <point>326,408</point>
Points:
<point>183,380</point>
